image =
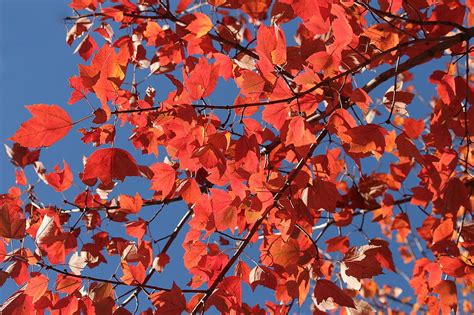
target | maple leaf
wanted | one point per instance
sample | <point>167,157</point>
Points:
<point>202,80</point>
<point>136,229</point>
<point>244,158</point>
<point>86,47</point>
<point>257,9</point>
<point>12,221</point>
<point>109,164</point>
<point>251,83</point>
<point>18,303</point>
<point>271,44</point>
<point>160,262</point>
<point>60,180</point>
<point>228,295</point>
<point>164,178</point>
<point>67,284</point>
<point>37,287</point>
<point>132,275</point>
<point>189,190</point>
<point>172,302</point>
<point>282,253</point>
<point>355,262</point>
<point>326,293</point>
<point>200,25</point>
<point>105,74</point>
<point>130,204</point>
<point>298,133</point>
<point>447,295</point>
<point>49,124</point>
<point>369,138</point>
<point>21,156</point>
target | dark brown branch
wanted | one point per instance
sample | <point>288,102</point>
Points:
<point>413,21</point>
<point>115,282</point>
<point>168,244</point>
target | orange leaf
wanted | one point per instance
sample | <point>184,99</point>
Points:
<point>448,296</point>
<point>68,285</point>
<point>190,191</point>
<point>130,204</point>
<point>136,228</point>
<point>105,74</point>
<point>37,287</point>
<point>61,179</point>
<point>49,124</point>
<point>132,275</point>
<point>201,25</point>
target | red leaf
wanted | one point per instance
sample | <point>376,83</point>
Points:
<point>49,124</point>
<point>160,262</point>
<point>225,215</point>
<point>327,293</point>
<point>190,191</point>
<point>20,178</point>
<point>365,262</point>
<point>21,156</point>
<point>109,164</point>
<point>133,275</point>
<point>228,295</point>
<point>271,44</point>
<point>413,128</point>
<point>368,138</point>
<point>136,228</point>
<point>86,47</point>
<point>298,133</point>
<point>312,196</point>
<point>12,221</point>
<point>79,90</point>
<point>281,253</point>
<point>172,302</point>
<point>100,116</point>
<point>251,83</point>
<point>453,267</point>
<point>60,180</point>
<point>164,178</point>
<point>18,304</point>
<point>448,296</point>
<point>202,80</point>
<point>338,244</point>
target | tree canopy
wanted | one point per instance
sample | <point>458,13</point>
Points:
<point>322,151</point>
